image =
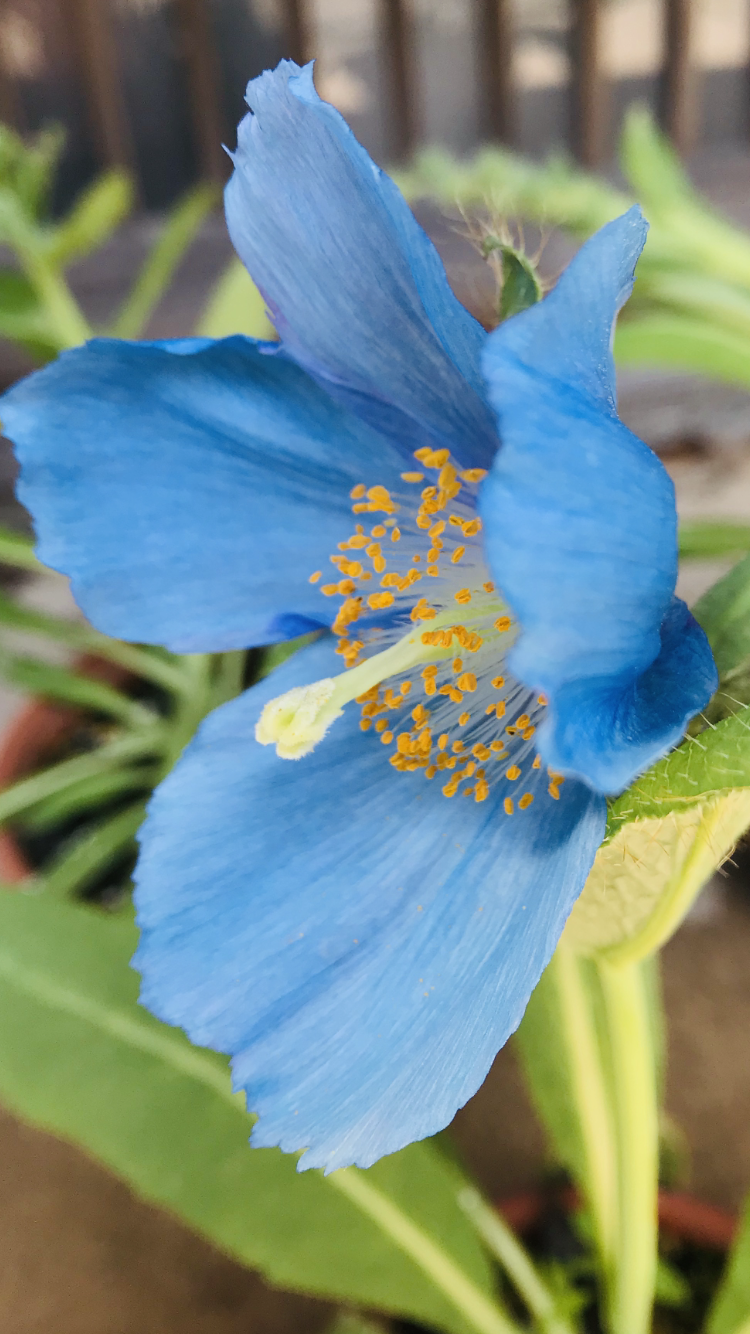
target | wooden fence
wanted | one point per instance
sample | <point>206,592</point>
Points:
<point>96,90</point>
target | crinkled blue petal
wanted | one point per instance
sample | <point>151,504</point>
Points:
<point>581,531</point>
<point>355,288</point>
<point>190,489</point>
<point>359,944</point>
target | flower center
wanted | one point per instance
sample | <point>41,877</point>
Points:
<point>477,722</point>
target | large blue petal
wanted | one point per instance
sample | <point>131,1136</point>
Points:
<point>190,489</point>
<point>356,290</point>
<point>360,945</point>
<point>580,531</point>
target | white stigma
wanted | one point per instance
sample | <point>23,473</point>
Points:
<point>297,721</point>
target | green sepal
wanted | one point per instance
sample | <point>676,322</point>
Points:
<point>520,286</point>
<point>705,538</point>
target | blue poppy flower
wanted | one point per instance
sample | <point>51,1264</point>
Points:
<point>491,556</point>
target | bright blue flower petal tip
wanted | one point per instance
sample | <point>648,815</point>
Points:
<point>581,531</point>
<point>359,945</point>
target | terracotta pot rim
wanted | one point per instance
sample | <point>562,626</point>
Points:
<point>680,1214</point>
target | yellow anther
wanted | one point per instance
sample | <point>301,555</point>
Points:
<point>448,480</point>
<point>451,788</point>
<point>513,773</point>
<point>503,623</point>
<point>473,474</point>
<point>412,476</point>
<point>378,531</point>
<point>329,590</point>
<point>463,596</point>
<point>467,681</point>
<point>556,778</point>
<point>482,790</point>
<point>365,724</point>
<point>355,543</point>
<point>419,713</point>
<point>430,686</point>
<point>463,719</point>
<point>430,771</point>
<point>457,747</point>
<point>522,721</point>
<point>508,806</point>
<point>373,550</point>
<point>421,612</point>
<point>442,740</point>
<point>457,554</point>
<point>381,724</point>
<point>433,570</point>
<point>379,600</point>
<point>554,791</point>
<point>423,520</point>
<point>386,738</point>
<point>498,747</point>
<point>526,800</point>
<point>528,732</point>
<point>457,664</point>
<point>472,527</point>
<point>537,762</point>
<point>403,743</point>
<point>429,493</point>
<point>395,534</point>
<point>345,587</point>
<point>368,695</point>
<point>434,554</point>
<point>500,708</point>
<point>358,491</point>
<point>416,559</point>
<point>542,699</point>
<point>456,520</point>
<point>390,581</point>
<point>315,577</point>
<point>488,588</point>
<point>405,687</point>
<point>468,771</point>
<point>379,564</point>
<point>481,752</point>
<point>437,528</point>
<point>498,682</point>
<point>431,670</point>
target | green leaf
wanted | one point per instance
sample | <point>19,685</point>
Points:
<point>704,538</point>
<point>177,234</point>
<point>730,1310</point>
<point>650,163</point>
<point>53,682</point>
<point>685,342</point>
<point>123,750</point>
<point>235,306</point>
<point>724,613</point>
<point>18,551</point>
<point>79,1057</point>
<point>98,210</point>
<point>86,795</point>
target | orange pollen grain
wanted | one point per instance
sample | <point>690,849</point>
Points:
<point>463,596</point>
<point>513,773</point>
<point>457,554</point>
<point>315,577</point>
<point>526,801</point>
<point>463,719</point>
<point>503,623</point>
<point>358,491</point>
<point>508,806</point>
<point>412,476</point>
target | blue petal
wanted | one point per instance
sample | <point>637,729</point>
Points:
<point>581,531</point>
<point>190,489</point>
<point>356,290</point>
<point>359,944</point>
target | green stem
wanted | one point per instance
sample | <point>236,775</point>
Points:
<point>93,852</point>
<point>477,1309</point>
<point>15,799</point>
<point>190,707</point>
<point>229,673</point>
<point>592,1102</point>
<point>66,318</point>
<point>506,1248</point>
<point>637,1117</point>
<point>178,232</point>
<point>88,795</point>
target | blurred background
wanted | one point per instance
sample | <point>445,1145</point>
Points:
<point>154,88</point>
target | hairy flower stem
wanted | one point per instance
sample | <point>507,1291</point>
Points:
<point>637,1124</point>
